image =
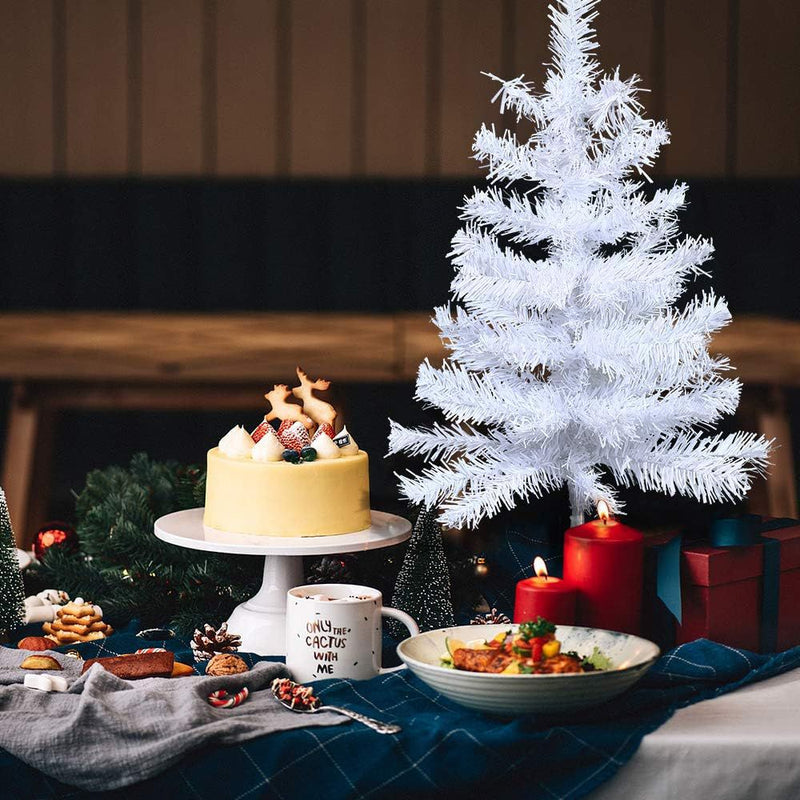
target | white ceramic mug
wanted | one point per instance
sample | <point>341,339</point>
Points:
<point>333,630</point>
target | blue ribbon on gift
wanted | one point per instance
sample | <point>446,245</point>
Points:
<point>668,577</point>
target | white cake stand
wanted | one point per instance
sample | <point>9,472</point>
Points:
<point>261,620</point>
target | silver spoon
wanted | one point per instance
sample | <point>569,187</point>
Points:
<point>301,700</point>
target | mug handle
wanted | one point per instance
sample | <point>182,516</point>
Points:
<point>412,626</point>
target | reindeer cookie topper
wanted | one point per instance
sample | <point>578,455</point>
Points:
<point>281,408</point>
<point>320,411</point>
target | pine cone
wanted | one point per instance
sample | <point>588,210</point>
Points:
<point>494,617</point>
<point>330,570</point>
<point>209,642</point>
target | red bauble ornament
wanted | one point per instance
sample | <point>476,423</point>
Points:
<point>54,534</point>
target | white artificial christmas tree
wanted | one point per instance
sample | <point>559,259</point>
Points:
<point>569,364</point>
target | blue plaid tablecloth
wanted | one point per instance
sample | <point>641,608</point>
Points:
<point>444,749</point>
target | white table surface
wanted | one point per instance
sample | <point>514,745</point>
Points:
<point>742,746</point>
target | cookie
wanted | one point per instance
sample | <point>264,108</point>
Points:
<point>75,628</point>
<point>68,637</point>
<point>40,662</point>
<point>35,643</point>
<point>180,670</point>
<point>78,608</point>
<point>72,628</point>
<point>75,619</point>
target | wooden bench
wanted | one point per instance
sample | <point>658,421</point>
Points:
<point>154,361</point>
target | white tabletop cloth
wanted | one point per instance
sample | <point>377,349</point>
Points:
<point>742,746</point>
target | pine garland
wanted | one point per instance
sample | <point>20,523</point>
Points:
<point>123,567</point>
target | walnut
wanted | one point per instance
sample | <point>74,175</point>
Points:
<point>226,664</point>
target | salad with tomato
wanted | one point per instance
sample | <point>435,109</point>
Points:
<point>532,649</point>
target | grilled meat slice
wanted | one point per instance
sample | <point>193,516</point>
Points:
<point>481,660</point>
<point>561,664</point>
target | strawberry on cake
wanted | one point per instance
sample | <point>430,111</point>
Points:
<point>293,475</point>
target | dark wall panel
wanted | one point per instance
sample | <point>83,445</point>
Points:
<point>295,245</point>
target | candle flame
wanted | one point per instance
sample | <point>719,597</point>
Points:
<point>603,511</point>
<point>539,567</point>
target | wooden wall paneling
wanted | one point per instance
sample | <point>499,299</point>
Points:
<point>694,89</point>
<point>172,87</point>
<point>321,99</point>
<point>625,32</point>
<point>531,34</point>
<point>247,81</point>
<point>472,42</point>
<point>768,100</point>
<point>26,87</point>
<point>528,53</point>
<point>96,87</point>
<point>396,74</point>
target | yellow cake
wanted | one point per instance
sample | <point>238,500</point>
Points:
<point>277,498</point>
<point>292,476</point>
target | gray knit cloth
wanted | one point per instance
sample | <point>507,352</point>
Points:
<point>105,732</point>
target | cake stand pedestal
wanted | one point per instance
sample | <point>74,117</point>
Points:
<point>261,620</point>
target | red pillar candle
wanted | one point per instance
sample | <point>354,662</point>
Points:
<point>543,596</point>
<point>604,561</point>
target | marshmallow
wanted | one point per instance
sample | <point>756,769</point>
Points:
<point>54,596</point>
<point>43,613</point>
<point>46,683</point>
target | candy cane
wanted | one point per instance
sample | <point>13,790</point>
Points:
<point>221,699</point>
<point>151,650</point>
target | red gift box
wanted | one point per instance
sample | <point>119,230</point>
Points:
<point>721,592</point>
<point>789,597</point>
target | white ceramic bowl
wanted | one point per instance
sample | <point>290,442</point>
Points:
<point>631,656</point>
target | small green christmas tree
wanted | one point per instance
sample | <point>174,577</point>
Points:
<point>12,596</point>
<point>423,584</point>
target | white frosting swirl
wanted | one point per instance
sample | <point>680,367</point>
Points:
<point>325,446</point>
<point>236,443</point>
<point>268,448</point>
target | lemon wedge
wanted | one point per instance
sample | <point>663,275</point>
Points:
<point>453,644</point>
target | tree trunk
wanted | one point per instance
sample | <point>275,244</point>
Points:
<point>575,507</point>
